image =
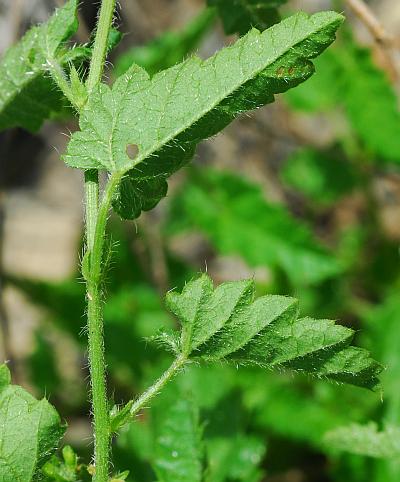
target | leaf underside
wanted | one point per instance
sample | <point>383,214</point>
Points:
<point>228,323</point>
<point>167,115</point>
<point>30,430</point>
<point>28,96</point>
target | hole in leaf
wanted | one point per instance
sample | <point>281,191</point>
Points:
<point>132,150</point>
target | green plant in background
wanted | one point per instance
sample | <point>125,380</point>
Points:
<point>140,131</point>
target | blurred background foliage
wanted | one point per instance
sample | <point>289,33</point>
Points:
<point>303,196</point>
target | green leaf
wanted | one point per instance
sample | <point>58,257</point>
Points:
<point>239,16</point>
<point>29,431</point>
<point>166,116</point>
<point>27,94</point>
<point>228,323</point>
<point>168,49</point>
<point>178,449</point>
<point>223,207</point>
<point>365,440</point>
<point>347,76</point>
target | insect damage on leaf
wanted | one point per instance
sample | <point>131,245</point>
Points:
<point>229,323</point>
<point>167,115</point>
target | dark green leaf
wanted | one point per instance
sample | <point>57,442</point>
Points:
<point>228,323</point>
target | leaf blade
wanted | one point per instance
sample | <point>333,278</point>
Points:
<point>167,115</point>
<point>268,332</point>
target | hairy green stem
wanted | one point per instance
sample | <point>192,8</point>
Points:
<point>96,240</point>
<point>96,220</point>
<point>100,43</point>
<point>146,396</point>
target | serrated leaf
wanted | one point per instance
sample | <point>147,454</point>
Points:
<point>178,448</point>
<point>222,206</point>
<point>266,332</point>
<point>365,440</point>
<point>347,76</point>
<point>168,49</point>
<point>27,94</point>
<point>30,430</point>
<point>239,16</point>
<point>166,116</point>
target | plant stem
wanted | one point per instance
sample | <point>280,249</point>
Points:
<point>100,43</point>
<point>96,226</point>
<point>96,219</point>
<point>146,396</point>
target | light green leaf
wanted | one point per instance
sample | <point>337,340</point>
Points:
<point>27,94</point>
<point>222,206</point>
<point>29,431</point>
<point>178,448</point>
<point>168,49</point>
<point>266,332</point>
<point>366,440</point>
<point>166,116</point>
<point>239,16</point>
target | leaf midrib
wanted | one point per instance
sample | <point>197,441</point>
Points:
<point>223,96</point>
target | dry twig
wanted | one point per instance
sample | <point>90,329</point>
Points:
<point>383,39</point>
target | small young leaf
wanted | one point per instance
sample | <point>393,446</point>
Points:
<point>27,94</point>
<point>239,16</point>
<point>66,470</point>
<point>166,116</point>
<point>365,440</point>
<point>222,206</point>
<point>78,88</point>
<point>29,431</point>
<point>227,323</point>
